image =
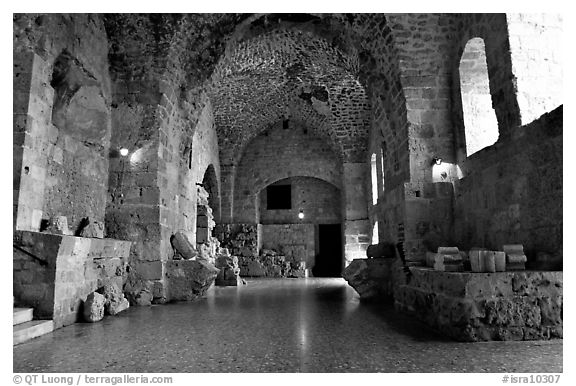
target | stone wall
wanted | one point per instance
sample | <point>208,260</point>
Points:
<point>61,118</point>
<point>485,306</point>
<point>513,193</point>
<point>295,241</point>
<point>279,154</point>
<point>64,271</point>
<point>319,201</point>
<point>535,48</point>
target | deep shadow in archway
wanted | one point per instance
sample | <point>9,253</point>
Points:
<point>328,261</point>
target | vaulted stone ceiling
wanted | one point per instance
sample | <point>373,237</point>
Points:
<point>289,74</point>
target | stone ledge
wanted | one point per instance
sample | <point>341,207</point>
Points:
<point>76,266</point>
<point>522,305</point>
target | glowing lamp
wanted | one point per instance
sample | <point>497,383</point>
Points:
<point>301,214</point>
<point>124,152</point>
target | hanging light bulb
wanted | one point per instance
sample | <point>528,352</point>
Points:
<point>301,214</point>
<point>124,152</point>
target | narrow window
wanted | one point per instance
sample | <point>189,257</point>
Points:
<point>382,152</point>
<point>375,238</point>
<point>374,180</point>
<point>480,124</point>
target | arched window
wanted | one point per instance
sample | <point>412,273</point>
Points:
<point>480,124</point>
<point>374,180</point>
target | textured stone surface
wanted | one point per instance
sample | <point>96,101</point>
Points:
<point>182,246</point>
<point>93,229</point>
<point>239,239</point>
<point>374,279</point>
<point>190,279</point>
<point>485,306</point>
<point>74,267</point>
<point>115,300</point>
<point>272,264</point>
<point>229,274</point>
<point>93,310</point>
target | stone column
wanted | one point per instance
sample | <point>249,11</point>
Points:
<point>356,222</point>
<point>34,136</point>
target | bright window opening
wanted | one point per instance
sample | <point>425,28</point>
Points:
<point>374,180</point>
<point>382,168</point>
<point>481,126</point>
<point>375,238</point>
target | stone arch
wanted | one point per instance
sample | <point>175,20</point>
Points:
<point>211,184</point>
<point>493,30</point>
<point>276,154</point>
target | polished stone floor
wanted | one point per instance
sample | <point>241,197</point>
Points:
<point>282,325</point>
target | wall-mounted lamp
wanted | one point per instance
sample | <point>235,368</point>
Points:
<point>301,214</point>
<point>124,152</point>
<point>436,161</point>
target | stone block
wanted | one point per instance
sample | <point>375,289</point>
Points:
<point>94,307</point>
<point>371,278</point>
<point>190,279</point>
<point>152,270</point>
<point>59,226</point>
<point>93,229</point>
<point>182,246</point>
<point>515,258</point>
<point>202,235</point>
<point>381,250</point>
<point>205,222</point>
<point>448,263</point>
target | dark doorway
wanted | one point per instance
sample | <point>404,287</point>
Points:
<point>329,258</point>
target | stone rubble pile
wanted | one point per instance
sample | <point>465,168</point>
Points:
<point>108,299</point>
<point>206,244</point>
<point>229,274</point>
<point>271,264</point>
<point>240,239</point>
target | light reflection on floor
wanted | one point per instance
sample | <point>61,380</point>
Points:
<point>273,325</point>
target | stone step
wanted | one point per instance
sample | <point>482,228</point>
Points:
<point>32,329</point>
<point>22,315</point>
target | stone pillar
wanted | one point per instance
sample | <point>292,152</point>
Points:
<point>33,137</point>
<point>356,222</point>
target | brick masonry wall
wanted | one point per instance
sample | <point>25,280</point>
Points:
<point>75,267</point>
<point>279,154</point>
